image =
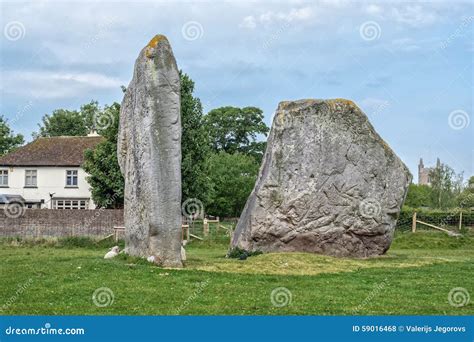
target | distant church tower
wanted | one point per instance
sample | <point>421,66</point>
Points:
<point>424,172</point>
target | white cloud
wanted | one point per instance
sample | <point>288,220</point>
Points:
<point>53,85</point>
<point>270,17</point>
<point>299,14</point>
<point>248,22</point>
<point>414,15</point>
<point>373,9</point>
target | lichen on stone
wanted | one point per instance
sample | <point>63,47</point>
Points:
<point>329,184</point>
<point>153,44</point>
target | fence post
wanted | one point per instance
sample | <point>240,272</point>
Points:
<point>413,223</point>
<point>460,220</point>
<point>205,227</point>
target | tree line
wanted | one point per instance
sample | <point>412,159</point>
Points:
<point>221,155</point>
<point>221,150</point>
<point>447,190</point>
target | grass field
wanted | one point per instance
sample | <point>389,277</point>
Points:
<point>60,277</point>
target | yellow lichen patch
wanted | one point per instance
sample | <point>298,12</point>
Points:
<point>338,104</point>
<point>155,40</point>
<point>345,101</point>
<point>280,117</point>
<point>154,43</point>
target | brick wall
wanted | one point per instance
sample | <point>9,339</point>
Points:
<point>58,223</point>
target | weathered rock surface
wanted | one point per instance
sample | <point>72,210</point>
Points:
<point>149,153</point>
<point>328,184</point>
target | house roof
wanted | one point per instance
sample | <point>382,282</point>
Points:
<point>53,151</point>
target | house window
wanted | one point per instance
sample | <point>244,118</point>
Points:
<point>70,204</point>
<point>71,178</point>
<point>31,178</point>
<point>3,177</point>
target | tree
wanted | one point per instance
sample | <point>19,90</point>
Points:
<point>101,163</point>
<point>418,196</point>
<point>8,140</point>
<point>69,122</point>
<point>232,178</point>
<point>105,178</point>
<point>233,129</point>
<point>445,186</point>
<point>466,198</point>
<point>194,144</point>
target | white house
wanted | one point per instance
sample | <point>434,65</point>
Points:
<point>47,173</point>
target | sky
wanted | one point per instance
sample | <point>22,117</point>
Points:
<point>407,65</point>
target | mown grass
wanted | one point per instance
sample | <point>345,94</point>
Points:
<point>60,277</point>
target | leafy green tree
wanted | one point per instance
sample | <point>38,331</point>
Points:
<point>8,140</point>
<point>194,144</point>
<point>418,196</point>
<point>232,179</point>
<point>101,163</point>
<point>233,129</point>
<point>445,187</point>
<point>470,183</point>
<point>91,112</point>
<point>466,198</point>
<point>105,178</point>
<point>69,122</point>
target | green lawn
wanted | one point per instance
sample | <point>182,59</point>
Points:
<point>414,277</point>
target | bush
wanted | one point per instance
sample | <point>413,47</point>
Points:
<point>242,254</point>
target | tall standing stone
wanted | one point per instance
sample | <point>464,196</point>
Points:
<point>328,184</point>
<point>149,153</point>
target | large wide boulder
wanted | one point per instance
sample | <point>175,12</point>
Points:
<point>149,153</point>
<point>328,184</point>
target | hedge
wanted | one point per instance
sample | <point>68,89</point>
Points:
<point>436,217</point>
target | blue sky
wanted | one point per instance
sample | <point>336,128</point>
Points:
<point>408,65</point>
